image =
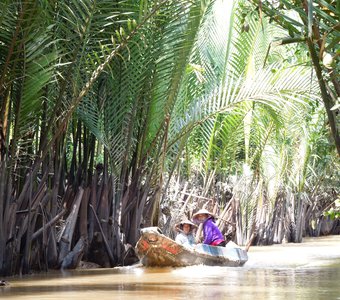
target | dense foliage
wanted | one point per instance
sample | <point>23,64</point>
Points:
<point>110,108</point>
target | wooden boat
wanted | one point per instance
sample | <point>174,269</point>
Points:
<point>155,249</point>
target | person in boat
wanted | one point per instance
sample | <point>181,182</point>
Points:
<point>211,233</point>
<point>185,236</point>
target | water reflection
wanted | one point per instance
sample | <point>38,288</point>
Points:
<point>305,271</point>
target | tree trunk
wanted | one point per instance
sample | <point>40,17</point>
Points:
<point>66,237</point>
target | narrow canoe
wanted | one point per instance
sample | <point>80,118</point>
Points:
<point>156,250</point>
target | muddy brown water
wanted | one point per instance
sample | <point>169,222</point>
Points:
<point>310,270</point>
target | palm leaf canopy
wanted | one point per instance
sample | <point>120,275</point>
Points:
<point>145,73</point>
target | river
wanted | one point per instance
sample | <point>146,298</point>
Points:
<point>310,270</point>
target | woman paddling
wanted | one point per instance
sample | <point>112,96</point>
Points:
<point>212,235</point>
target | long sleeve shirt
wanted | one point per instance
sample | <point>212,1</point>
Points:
<point>185,240</point>
<point>211,232</point>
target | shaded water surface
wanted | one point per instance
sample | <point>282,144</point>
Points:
<point>310,270</point>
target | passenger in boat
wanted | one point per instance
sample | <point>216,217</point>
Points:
<point>211,234</point>
<point>185,236</point>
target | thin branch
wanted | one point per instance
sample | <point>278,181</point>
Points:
<point>48,225</point>
<point>108,249</point>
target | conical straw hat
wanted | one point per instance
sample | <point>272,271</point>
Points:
<point>185,221</point>
<point>202,211</point>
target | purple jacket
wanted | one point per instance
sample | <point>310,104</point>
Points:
<point>211,232</point>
